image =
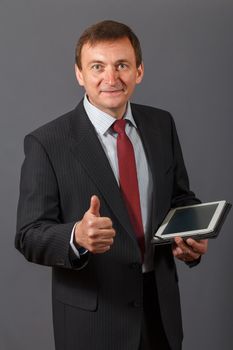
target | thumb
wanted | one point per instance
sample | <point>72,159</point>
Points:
<point>95,206</point>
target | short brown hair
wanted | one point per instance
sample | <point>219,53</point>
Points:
<point>107,31</point>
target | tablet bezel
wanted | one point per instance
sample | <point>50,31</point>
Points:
<point>210,228</point>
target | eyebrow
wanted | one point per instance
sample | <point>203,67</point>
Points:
<point>102,62</point>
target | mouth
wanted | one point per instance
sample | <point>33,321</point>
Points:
<point>111,92</point>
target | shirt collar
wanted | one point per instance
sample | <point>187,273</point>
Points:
<point>103,121</point>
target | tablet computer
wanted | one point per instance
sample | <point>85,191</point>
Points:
<point>197,221</point>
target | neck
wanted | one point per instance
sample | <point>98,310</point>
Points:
<point>116,113</point>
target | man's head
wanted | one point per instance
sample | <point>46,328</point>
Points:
<point>109,65</point>
<point>108,31</point>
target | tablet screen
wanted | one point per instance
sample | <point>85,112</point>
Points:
<point>190,219</point>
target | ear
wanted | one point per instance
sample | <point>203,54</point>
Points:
<point>79,75</point>
<point>140,73</point>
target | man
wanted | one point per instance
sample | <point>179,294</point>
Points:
<point>95,184</point>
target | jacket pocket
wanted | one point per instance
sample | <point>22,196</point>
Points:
<point>75,287</point>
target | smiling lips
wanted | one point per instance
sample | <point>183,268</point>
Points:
<point>112,90</point>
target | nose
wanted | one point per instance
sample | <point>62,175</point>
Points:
<point>111,76</point>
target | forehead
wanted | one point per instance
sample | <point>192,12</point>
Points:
<point>120,49</point>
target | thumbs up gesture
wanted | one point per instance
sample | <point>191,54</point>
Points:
<point>93,232</point>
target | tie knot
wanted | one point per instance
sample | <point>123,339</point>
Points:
<point>119,126</point>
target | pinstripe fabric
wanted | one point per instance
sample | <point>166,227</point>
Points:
<point>97,300</point>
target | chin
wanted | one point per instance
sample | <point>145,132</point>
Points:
<point>114,105</point>
<point>115,102</point>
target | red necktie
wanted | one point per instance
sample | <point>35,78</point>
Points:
<point>128,181</point>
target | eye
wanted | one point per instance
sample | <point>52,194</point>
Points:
<point>122,66</point>
<point>97,67</point>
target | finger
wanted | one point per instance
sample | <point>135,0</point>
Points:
<point>176,250</point>
<point>180,243</point>
<point>186,256</point>
<point>101,235</point>
<point>99,223</point>
<point>99,247</point>
<point>105,234</point>
<point>104,223</point>
<point>198,246</point>
<point>95,206</point>
<point>104,243</point>
<point>184,251</point>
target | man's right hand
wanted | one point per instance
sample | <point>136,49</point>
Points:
<point>93,232</point>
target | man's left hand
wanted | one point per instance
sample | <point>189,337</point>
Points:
<point>190,249</point>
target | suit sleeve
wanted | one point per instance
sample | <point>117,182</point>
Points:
<point>182,195</point>
<point>181,192</point>
<point>41,235</point>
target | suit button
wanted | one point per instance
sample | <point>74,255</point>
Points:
<point>135,266</point>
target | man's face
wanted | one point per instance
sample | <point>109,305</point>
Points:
<point>109,74</point>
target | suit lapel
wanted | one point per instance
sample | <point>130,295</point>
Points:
<point>150,137</point>
<point>86,147</point>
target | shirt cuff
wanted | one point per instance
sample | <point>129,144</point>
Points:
<point>78,251</point>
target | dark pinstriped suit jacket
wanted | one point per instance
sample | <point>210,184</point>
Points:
<point>99,305</point>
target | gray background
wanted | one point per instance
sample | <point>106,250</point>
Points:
<point>188,55</point>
